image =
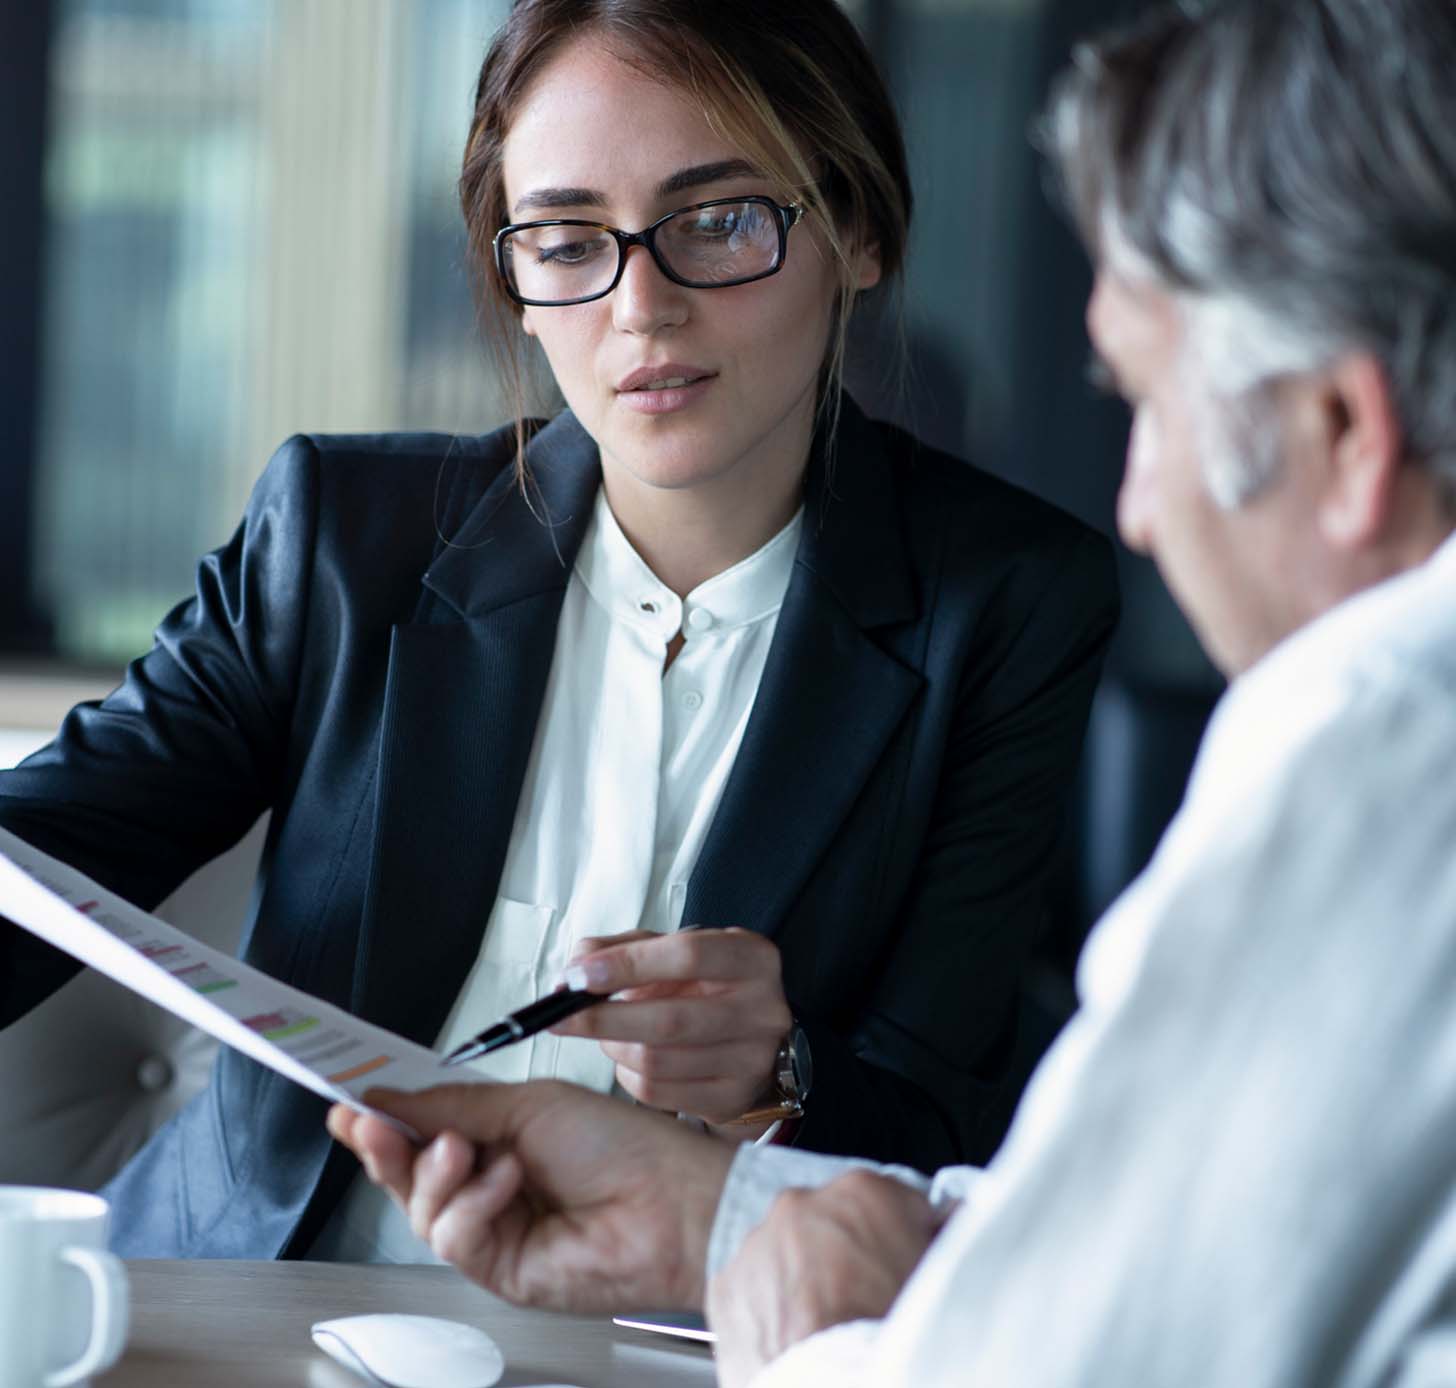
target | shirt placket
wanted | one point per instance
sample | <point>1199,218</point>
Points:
<point>623,785</point>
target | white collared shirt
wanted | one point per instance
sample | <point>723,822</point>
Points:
<point>1234,1167</point>
<point>625,775</point>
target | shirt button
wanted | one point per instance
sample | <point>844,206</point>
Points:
<point>692,701</point>
<point>153,1074</point>
<point>700,619</point>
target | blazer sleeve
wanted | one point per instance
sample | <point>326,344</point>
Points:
<point>922,1077</point>
<point>178,762</point>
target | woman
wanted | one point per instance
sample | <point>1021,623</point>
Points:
<point>708,649</point>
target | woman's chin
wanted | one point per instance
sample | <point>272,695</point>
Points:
<point>667,472</point>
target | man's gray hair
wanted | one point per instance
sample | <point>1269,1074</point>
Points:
<point>1290,167</point>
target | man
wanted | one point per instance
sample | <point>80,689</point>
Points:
<point>1236,1165</point>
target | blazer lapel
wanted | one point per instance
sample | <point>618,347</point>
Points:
<point>830,697</point>
<point>465,688</point>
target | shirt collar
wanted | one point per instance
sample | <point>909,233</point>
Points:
<point>1381,627</point>
<point>621,583</point>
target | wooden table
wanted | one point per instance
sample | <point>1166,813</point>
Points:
<point>246,1325</point>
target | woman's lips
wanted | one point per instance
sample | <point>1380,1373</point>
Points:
<point>665,394</point>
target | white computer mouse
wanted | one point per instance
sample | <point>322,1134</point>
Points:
<point>412,1351</point>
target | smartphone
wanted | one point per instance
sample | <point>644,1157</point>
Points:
<point>683,1325</point>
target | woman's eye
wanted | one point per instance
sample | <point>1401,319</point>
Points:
<point>576,252</point>
<point>713,228</point>
<point>747,221</point>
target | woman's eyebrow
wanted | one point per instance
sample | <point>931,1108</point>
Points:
<point>700,174</point>
<point>549,199</point>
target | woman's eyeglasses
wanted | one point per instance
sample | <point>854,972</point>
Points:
<point>710,245</point>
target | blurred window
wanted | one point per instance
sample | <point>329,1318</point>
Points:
<point>251,231</point>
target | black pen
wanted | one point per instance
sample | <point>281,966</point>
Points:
<point>533,1017</point>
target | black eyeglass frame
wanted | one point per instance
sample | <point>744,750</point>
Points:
<point>786,217</point>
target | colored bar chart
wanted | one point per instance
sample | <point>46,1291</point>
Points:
<point>306,1039</point>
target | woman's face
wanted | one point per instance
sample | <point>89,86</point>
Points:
<point>596,139</point>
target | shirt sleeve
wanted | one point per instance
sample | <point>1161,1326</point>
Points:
<point>760,1174</point>
<point>837,1355</point>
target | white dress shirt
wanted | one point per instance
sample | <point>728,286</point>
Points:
<point>1237,1165</point>
<point>625,775</point>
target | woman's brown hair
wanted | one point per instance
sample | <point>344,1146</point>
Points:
<point>792,85</point>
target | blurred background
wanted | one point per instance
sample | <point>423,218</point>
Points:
<point>229,220</point>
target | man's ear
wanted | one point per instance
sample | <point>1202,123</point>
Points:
<point>1364,446</point>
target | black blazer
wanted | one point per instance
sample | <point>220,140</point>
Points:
<point>889,820</point>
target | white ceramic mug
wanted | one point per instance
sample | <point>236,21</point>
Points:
<point>63,1297</point>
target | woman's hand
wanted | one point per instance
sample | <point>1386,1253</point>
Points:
<point>698,1022</point>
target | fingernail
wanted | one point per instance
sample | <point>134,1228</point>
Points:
<point>592,974</point>
<point>438,1151</point>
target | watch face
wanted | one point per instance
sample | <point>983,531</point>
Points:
<point>802,1062</point>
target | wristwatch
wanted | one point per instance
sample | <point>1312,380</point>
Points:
<point>793,1077</point>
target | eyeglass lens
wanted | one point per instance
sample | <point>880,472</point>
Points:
<point>703,246</point>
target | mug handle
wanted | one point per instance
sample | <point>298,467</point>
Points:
<point>110,1309</point>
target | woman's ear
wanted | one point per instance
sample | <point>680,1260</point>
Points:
<point>867,267</point>
<point>1364,447</point>
<point>527,326</point>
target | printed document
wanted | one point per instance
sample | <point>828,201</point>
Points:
<point>319,1046</point>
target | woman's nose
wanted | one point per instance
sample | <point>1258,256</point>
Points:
<point>645,300</point>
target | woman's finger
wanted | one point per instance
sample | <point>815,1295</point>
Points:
<point>687,955</point>
<point>683,1021</point>
<point>735,1060</point>
<point>590,944</point>
<point>718,1101</point>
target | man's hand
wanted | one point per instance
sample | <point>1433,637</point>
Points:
<point>547,1194</point>
<point>821,1257</point>
<point>698,1020</point>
